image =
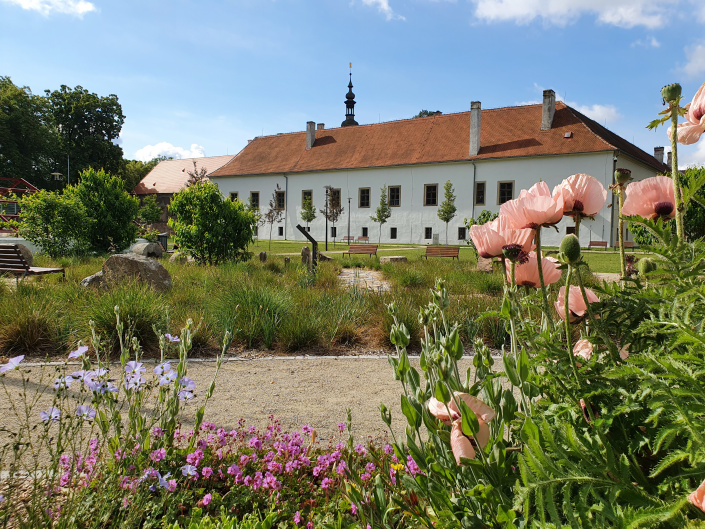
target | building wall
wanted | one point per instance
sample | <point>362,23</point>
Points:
<point>412,218</point>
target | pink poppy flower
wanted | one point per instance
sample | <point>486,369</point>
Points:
<point>624,352</point>
<point>527,274</point>
<point>576,304</point>
<point>650,198</point>
<point>583,349</point>
<point>697,497</point>
<point>582,194</point>
<point>689,132</point>
<point>535,207</point>
<point>490,238</point>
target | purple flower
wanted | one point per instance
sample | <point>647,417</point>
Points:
<point>297,518</point>
<point>360,450</point>
<point>157,432</point>
<point>187,383</point>
<point>12,363</point>
<point>189,471</point>
<point>342,467</point>
<point>85,412</point>
<point>341,426</point>
<point>168,377</point>
<point>388,449</point>
<point>78,353</point>
<point>134,367</point>
<point>255,443</point>
<point>163,480</point>
<point>309,525</point>
<point>79,375</point>
<point>162,368</point>
<point>353,508</point>
<point>233,469</point>
<point>207,472</point>
<point>326,483</point>
<point>63,382</point>
<point>52,414</point>
<point>172,339</point>
<point>306,428</point>
<point>134,382</point>
<point>185,395</point>
<point>207,499</point>
<point>158,455</point>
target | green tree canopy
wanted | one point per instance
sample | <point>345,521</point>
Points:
<point>208,227</point>
<point>112,209</point>
<point>26,138</point>
<point>308,212</point>
<point>383,211</point>
<point>88,126</point>
<point>447,209</point>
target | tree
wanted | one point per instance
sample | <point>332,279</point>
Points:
<point>273,214</point>
<point>308,212</point>
<point>426,113</point>
<point>447,209</point>
<point>383,212</point>
<point>334,209</point>
<point>57,223</point>
<point>209,227</point>
<point>88,126</point>
<point>256,214</point>
<point>150,211</point>
<point>112,210</point>
<point>133,171</point>
<point>197,175</point>
<point>26,137</point>
<point>484,217</point>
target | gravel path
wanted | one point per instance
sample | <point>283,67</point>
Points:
<point>296,390</point>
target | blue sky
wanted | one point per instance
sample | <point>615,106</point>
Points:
<point>202,77</point>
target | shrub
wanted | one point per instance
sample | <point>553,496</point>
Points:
<point>28,323</point>
<point>57,223</point>
<point>208,227</point>
<point>111,209</point>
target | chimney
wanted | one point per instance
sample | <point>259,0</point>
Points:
<point>669,162</point>
<point>549,109</point>
<point>310,134</point>
<point>658,154</point>
<point>474,128</point>
<point>320,126</point>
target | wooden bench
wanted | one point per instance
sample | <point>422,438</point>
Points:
<point>442,251</point>
<point>363,239</point>
<point>362,249</point>
<point>629,244</point>
<point>13,262</point>
<point>348,238</point>
<point>597,244</point>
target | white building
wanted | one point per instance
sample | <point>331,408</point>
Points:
<point>488,155</point>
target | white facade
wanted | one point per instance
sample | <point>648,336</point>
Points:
<point>412,219</point>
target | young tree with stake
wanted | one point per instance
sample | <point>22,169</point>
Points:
<point>383,212</point>
<point>447,209</point>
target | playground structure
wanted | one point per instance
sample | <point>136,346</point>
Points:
<point>10,190</point>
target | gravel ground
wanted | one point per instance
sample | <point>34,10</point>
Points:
<point>296,390</point>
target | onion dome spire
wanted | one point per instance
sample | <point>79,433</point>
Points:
<point>349,105</point>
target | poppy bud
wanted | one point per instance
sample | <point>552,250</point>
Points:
<point>622,176</point>
<point>646,265</point>
<point>671,92</point>
<point>570,249</point>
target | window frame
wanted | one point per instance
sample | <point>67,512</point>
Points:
<point>425,194</point>
<point>464,232</point>
<point>426,231</point>
<point>389,196</point>
<point>282,194</point>
<point>332,191</point>
<point>365,231</point>
<point>303,196</point>
<point>393,233</point>
<point>280,231</point>
<point>359,197</point>
<point>234,195</point>
<point>499,187</point>
<point>484,193</point>
<point>258,198</point>
<point>334,232</point>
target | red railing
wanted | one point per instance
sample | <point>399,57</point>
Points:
<point>12,187</point>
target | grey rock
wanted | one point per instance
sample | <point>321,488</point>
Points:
<point>323,257</point>
<point>181,258</point>
<point>131,266</point>
<point>148,249</point>
<point>26,253</point>
<point>306,256</point>
<point>484,265</point>
<point>263,257</point>
<point>96,280</point>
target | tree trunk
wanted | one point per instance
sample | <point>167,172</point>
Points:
<point>446,234</point>
<point>271,227</point>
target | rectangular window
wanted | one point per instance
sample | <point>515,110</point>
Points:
<point>505,192</point>
<point>479,193</point>
<point>334,232</point>
<point>254,199</point>
<point>463,234</point>
<point>233,196</point>
<point>394,196</point>
<point>255,231</point>
<point>281,231</point>
<point>281,199</point>
<point>306,195</point>
<point>335,198</point>
<point>364,232</point>
<point>308,229</point>
<point>363,200</point>
<point>568,231</point>
<point>430,195</point>
<point>392,233</point>
<point>428,233</point>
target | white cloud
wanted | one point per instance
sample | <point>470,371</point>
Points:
<point>46,7</point>
<point>646,43</point>
<point>622,13</point>
<point>696,60</point>
<point>600,113</point>
<point>691,154</point>
<point>149,152</point>
<point>384,8</point>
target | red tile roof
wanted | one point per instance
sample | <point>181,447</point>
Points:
<point>170,176</point>
<point>506,132</point>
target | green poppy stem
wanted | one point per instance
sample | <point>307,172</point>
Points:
<point>622,258</point>
<point>675,174</point>
<point>544,295</point>
<point>566,308</point>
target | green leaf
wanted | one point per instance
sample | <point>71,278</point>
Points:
<point>510,370</point>
<point>469,422</point>
<point>523,365</point>
<point>442,392</point>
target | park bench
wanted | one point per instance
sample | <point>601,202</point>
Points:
<point>629,244</point>
<point>363,239</point>
<point>348,238</point>
<point>13,262</point>
<point>362,249</point>
<point>442,251</point>
<point>597,244</point>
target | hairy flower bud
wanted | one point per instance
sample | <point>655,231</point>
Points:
<point>646,265</point>
<point>622,176</point>
<point>671,92</point>
<point>570,249</point>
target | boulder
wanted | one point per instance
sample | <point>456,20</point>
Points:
<point>131,266</point>
<point>306,256</point>
<point>263,257</point>
<point>323,257</point>
<point>393,259</point>
<point>147,249</point>
<point>181,258</point>
<point>484,265</point>
<point>26,253</point>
